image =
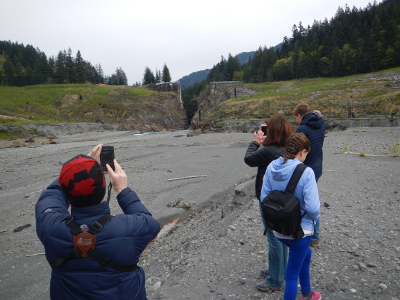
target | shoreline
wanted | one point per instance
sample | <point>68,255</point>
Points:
<point>42,134</point>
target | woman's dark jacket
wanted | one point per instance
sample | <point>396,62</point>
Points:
<point>261,158</point>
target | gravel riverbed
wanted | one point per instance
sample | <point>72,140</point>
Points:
<point>214,247</point>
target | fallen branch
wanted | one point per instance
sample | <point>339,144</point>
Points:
<point>362,154</point>
<point>187,177</point>
<point>35,254</point>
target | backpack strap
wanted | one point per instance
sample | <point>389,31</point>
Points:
<point>92,253</point>
<point>294,180</point>
<point>75,228</point>
<point>106,262</point>
<point>97,225</point>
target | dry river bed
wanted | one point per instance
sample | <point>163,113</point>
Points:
<point>215,248</point>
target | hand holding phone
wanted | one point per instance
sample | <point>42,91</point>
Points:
<point>107,157</point>
<point>263,128</point>
<point>118,178</point>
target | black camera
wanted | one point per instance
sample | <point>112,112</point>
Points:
<point>107,157</point>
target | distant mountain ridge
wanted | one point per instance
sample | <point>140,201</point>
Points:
<point>194,77</point>
<point>199,76</point>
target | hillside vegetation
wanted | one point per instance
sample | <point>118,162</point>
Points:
<point>367,95</point>
<point>136,107</point>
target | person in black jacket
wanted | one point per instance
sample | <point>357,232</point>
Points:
<point>313,126</point>
<point>278,131</point>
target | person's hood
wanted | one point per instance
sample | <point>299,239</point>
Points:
<point>281,172</point>
<point>313,119</point>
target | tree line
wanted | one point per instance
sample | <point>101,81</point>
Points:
<point>354,41</point>
<point>159,77</point>
<point>26,65</point>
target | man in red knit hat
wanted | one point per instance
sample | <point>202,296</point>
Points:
<point>93,254</point>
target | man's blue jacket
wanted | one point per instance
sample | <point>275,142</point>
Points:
<point>122,240</point>
<point>313,126</point>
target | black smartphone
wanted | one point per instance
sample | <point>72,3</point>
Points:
<point>107,157</point>
<point>263,128</point>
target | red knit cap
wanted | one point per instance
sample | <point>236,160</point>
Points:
<point>82,181</point>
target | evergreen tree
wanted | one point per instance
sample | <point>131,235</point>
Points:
<point>148,76</point>
<point>100,74</point>
<point>122,79</point>
<point>9,72</point>
<point>80,68</point>
<point>158,76</point>
<point>166,76</point>
<point>231,66</point>
<point>70,67</point>
<point>60,72</point>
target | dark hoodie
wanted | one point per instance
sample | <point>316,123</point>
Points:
<point>313,126</point>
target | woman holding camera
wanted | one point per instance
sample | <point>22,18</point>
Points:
<point>278,131</point>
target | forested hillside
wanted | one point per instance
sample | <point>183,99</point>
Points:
<point>22,65</point>
<point>353,41</point>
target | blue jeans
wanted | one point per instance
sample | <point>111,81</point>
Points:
<point>298,267</point>
<point>277,258</point>
<point>315,236</point>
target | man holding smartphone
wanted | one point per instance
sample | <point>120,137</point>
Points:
<point>93,255</point>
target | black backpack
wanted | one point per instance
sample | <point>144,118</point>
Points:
<point>281,209</point>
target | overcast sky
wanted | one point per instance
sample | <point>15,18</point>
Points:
<point>186,35</point>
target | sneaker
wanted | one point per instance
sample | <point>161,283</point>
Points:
<point>315,244</point>
<point>265,272</point>
<point>265,287</point>
<point>314,296</point>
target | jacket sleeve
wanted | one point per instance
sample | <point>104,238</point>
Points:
<point>253,157</point>
<point>51,207</point>
<point>310,194</point>
<point>266,186</point>
<point>138,217</point>
<point>261,157</point>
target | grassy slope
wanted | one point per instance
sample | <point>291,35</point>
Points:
<point>62,103</point>
<point>368,94</point>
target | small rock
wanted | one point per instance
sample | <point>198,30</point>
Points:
<point>383,286</point>
<point>362,265</point>
<point>356,268</point>
<point>242,281</point>
<point>353,291</point>
<point>194,133</point>
<point>372,265</point>
<point>231,227</point>
<point>331,288</point>
<point>156,286</point>
<point>388,277</point>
